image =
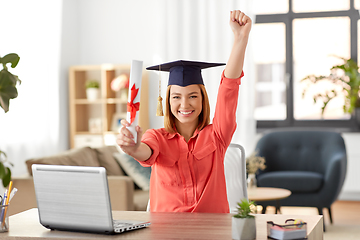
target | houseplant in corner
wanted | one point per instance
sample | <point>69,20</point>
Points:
<point>8,91</point>
<point>92,90</point>
<point>345,80</point>
<point>243,223</point>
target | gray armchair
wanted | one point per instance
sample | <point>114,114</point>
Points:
<point>311,164</point>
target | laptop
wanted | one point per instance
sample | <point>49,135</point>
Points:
<point>76,198</point>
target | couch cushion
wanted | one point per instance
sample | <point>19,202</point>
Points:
<point>85,156</point>
<point>139,174</point>
<point>295,181</point>
<point>107,160</point>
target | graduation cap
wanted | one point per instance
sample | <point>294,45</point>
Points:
<point>182,73</point>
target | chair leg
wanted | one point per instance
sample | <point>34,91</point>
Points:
<point>263,209</point>
<point>329,210</point>
<point>321,213</point>
<point>277,207</point>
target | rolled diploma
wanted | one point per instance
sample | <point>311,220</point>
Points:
<point>135,78</point>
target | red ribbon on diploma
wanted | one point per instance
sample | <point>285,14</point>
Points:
<point>131,106</point>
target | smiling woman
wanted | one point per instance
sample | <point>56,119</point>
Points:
<point>191,148</point>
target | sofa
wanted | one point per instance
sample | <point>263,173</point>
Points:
<point>128,181</point>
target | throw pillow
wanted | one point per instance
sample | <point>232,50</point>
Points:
<point>139,174</point>
<point>106,160</point>
<point>85,156</point>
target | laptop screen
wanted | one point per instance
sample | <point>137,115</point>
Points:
<point>73,197</point>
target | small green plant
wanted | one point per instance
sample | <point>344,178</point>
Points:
<point>347,83</point>
<point>92,84</point>
<point>244,209</point>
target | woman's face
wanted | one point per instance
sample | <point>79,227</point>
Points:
<point>186,103</point>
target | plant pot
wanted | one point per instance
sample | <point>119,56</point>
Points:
<point>92,93</point>
<point>243,228</point>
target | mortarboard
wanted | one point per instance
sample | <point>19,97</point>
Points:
<point>182,73</point>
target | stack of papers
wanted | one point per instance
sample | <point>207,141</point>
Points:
<point>287,231</point>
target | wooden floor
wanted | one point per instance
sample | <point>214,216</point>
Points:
<point>344,212</point>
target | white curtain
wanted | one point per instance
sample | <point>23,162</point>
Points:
<point>31,127</point>
<point>199,30</point>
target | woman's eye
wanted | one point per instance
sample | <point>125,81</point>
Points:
<point>176,97</point>
<point>193,96</point>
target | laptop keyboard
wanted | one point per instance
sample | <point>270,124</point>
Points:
<point>120,224</point>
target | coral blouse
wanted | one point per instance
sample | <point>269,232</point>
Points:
<point>189,176</point>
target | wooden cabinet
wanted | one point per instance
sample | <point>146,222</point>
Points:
<point>95,122</point>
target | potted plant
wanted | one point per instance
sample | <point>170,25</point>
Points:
<point>253,164</point>
<point>92,89</point>
<point>8,91</point>
<point>345,79</point>
<point>243,223</point>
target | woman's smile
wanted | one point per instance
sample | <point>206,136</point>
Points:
<point>186,113</point>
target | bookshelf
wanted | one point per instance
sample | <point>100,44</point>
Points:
<point>94,122</point>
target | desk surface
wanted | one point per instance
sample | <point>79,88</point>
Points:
<point>163,226</point>
<point>267,193</point>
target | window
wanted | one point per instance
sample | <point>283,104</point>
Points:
<point>296,38</point>
<point>269,58</point>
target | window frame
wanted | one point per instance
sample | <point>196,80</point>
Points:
<point>287,19</point>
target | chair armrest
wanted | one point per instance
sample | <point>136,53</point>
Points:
<point>334,177</point>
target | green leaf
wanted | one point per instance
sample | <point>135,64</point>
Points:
<point>2,170</point>
<point>7,178</point>
<point>7,88</point>
<point>12,58</point>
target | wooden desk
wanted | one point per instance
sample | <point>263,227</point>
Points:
<point>163,226</point>
<point>259,194</point>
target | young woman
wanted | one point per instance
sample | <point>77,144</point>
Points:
<point>187,156</point>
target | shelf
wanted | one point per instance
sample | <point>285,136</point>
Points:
<point>85,101</point>
<point>115,100</point>
<point>88,133</point>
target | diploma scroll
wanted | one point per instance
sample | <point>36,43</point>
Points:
<point>133,105</point>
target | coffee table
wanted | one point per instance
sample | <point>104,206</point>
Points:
<point>260,194</point>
